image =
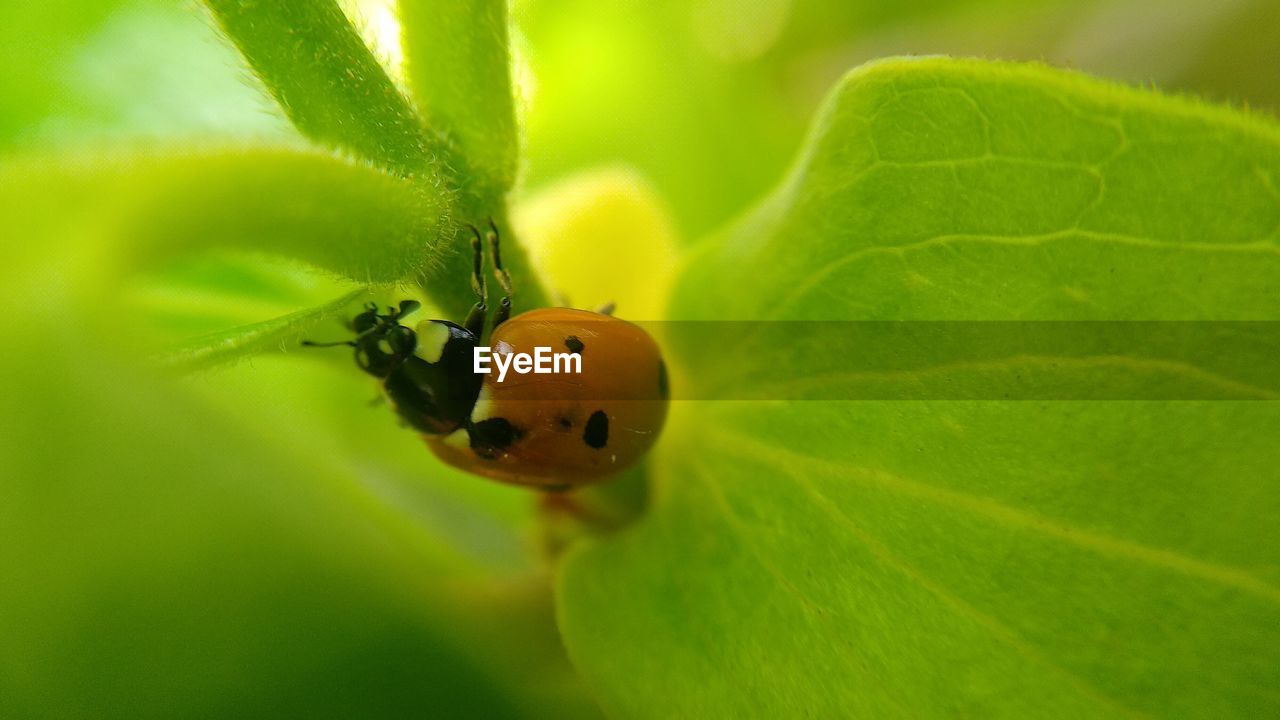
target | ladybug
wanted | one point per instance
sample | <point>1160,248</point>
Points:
<point>550,430</point>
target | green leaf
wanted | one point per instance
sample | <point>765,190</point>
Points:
<point>737,83</point>
<point>116,214</point>
<point>161,561</point>
<point>460,71</point>
<point>275,334</point>
<point>965,559</point>
<point>710,99</point>
<point>328,82</point>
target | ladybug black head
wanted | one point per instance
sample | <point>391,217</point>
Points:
<point>381,343</point>
<point>433,388</point>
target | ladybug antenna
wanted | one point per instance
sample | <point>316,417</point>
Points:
<point>348,343</point>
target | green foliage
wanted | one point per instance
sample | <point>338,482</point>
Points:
<point>940,559</point>
<point>131,211</point>
<point>711,98</point>
<point>318,68</point>
<point>274,334</point>
<point>162,560</point>
<point>35,35</point>
<point>335,92</point>
<point>253,540</point>
<point>459,68</point>
<point>83,72</point>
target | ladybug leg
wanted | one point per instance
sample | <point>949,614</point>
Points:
<point>475,319</point>
<point>607,308</point>
<point>504,277</point>
<point>504,311</point>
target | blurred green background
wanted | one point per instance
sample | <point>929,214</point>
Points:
<point>254,540</point>
<point>709,98</point>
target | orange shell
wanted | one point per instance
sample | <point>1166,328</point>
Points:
<point>573,429</point>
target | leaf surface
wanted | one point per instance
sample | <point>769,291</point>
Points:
<point>964,559</point>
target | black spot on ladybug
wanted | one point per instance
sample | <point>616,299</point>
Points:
<point>564,423</point>
<point>597,433</point>
<point>574,344</point>
<point>490,437</point>
<point>664,390</point>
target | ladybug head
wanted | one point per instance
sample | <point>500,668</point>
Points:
<point>429,380</point>
<point>381,342</point>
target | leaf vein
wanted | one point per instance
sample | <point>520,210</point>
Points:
<point>1032,240</point>
<point>1099,543</point>
<point>1002,632</point>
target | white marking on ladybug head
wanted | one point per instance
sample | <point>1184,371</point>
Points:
<point>432,336</point>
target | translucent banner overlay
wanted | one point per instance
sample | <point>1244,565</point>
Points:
<point>1029,361</point>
